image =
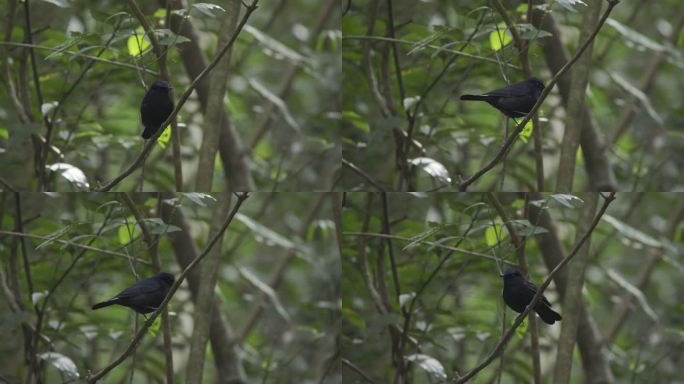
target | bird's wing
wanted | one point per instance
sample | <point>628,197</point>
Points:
<point>141,287</point>
<point>146,100</point>
<point>506,93</point>
<point>533,288</point>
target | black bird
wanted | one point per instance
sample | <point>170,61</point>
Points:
<point>516,100</point>
<point>144,296</point>
<point>518,293</point>
<point>156,107</point>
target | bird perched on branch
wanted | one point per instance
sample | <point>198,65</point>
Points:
<point>514,101</point>
<point>145,296</point>
<point>518,293</point>
<point>156,107</point>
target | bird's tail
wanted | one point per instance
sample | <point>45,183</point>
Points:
<point>105,304</point>
<point>548,315</point>
<point>475,97</point>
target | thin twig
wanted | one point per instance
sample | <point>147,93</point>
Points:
<point>357,370</point>
<point>432,46</point>
<point>425,242</point>
<point>71,243</point>
<point>363,174</point>
<point>89,57</point>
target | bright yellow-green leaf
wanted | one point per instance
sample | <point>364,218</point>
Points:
<point>500,37</point>
<point>494,234</point>
<point>626,143</point>
<point>356,120</point>
<point>164,138</point>
<point>154,328</point>
<point>580,156</point>
<point>127,232</point>
<point>526,133</point>
<point>264,149</point>
<point>522,329</point>
<point>137,43</point>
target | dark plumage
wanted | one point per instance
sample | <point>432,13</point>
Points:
<point>514,101</point>
<point>518,293</point>
<point>156,107</point>
<point>144,296</point>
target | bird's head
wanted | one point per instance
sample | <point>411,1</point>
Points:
<point>536,83</point>
<point>167,278</point>
<point>161,85</point>
<point>511,273</point>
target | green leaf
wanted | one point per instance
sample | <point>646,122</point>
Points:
<point>261,233</point>
<point>137,43</point>
<point>353,317</point>
<point>208,9</point>
<point>356,120</point>
<point>430,365</point>
<point>636,37</point>
<point>199,198</point>
<point>73,175</point>
<point>566,200</point>
<point>527,228</point>
<point>433,168</point>
<point>529,32</point>
<point>570,4</point>
<point>164,138</point>
<point>167,37</point>
<point>63,363</point>
<point>522,329</point>
<point>635,291</point>
<point>267,290</point>
<point>59,3</point>
<point>526,132</point>
<point>500,37</point>
<point>277,101</point>
<point>631,232</point>
<point>275,45</point>
<point>128,231</point>
<point>494,234</point>
<point>158,227</point>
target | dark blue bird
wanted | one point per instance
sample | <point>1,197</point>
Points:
<point>514,101</point>
<point>144,296</point>
<point>156,107</point>
<point>518,293</point>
